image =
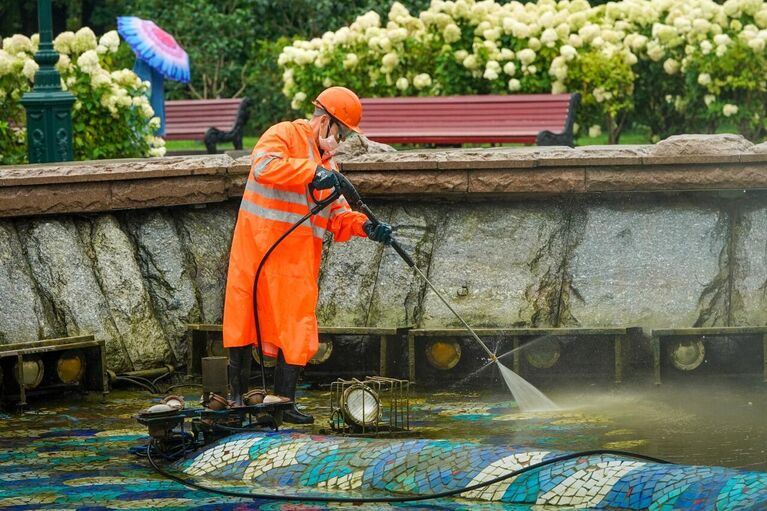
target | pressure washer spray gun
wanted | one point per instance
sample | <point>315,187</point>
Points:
<point>355,201</point>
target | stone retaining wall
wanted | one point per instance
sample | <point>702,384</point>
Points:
<point>132,250</point>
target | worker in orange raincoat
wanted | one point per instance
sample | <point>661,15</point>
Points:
<point>286,159</point>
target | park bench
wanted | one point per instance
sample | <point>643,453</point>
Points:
<point>209,120</point>
<point>543,119</point>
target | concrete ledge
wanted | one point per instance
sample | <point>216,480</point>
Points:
<point>690,163</point>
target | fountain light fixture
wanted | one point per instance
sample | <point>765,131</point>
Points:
<point>443,354</point>
<point>688,354</point>
<point>268,361</point>
<point>360,405</point>
<point>324,350</point>
<point>33,372</point>
<point>70,366</point>
<point>544,354</point>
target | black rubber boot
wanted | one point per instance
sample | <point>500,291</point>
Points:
<point>285,380</point>
<point>239,372</point>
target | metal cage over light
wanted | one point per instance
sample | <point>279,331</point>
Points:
<point>376,406</point>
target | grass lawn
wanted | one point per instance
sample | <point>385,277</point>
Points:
<point>197,145</point>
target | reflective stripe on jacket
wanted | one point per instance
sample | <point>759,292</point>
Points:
<point>276,196</point>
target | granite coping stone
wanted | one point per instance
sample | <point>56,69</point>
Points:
<point>142,183</point>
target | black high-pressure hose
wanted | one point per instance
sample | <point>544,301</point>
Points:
<point>382,500</point>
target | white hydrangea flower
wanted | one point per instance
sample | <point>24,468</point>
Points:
<point>670,66</point>
<point>85,40</point>
<point>655,51</point>
<point>63,63</point>
<point>18,44</point>
<point>721,50</point>
<point>729,110</point>
<point>575,40</point>
<point>526,56</point>
<point>706,47</point>
<point>88,62</point>
<point>514,85</point>
<point>110,40</point>
<point>461,55</point>
<point>99,78</point>
<point>722,39</point>
<point>471,62</point>
<point>327,82</point>
<point>757,44</point>
<point>402,83</point>
<point>6,62</point>
<point>390,60</point>
<point>568,52</point>
<point>421,81</point>
<point>704,79</point>
<point>452,33</point>
<point>490,75</point>
<point>708,99</point>
<point>760,18</point>
<point>534,43</point>
<point>30,68</point>
<point>492,34</point>
<point>506,54</point>
<point>530,70</point>
<point>558,88</point>
<point>595,131</point>
<point>510,68</point>
<point>350,60</point>
<point>549,37</point>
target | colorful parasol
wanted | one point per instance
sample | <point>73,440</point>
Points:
<point>155,46</point>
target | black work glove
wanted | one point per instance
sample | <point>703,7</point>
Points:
<point>378,232</point>
<point>324,179</point>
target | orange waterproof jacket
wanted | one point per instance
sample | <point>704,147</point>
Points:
<point>276,196</point>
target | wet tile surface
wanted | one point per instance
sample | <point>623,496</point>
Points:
<point>73,454</point>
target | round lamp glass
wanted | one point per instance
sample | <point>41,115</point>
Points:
<point>70,366</point>
<point>268,361</point>
<point>443,355</point>
<point>324,350</point>
<point>688,355</point>
<point>360,405</point>
<point>33,372</point>
<point>543,354</point>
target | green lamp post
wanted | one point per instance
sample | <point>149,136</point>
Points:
<point>49,109</point>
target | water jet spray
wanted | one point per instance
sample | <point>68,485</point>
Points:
<point>527,396</point>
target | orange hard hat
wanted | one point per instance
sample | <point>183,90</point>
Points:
<point>343,105</point>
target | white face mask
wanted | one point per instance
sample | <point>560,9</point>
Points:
<point>328,144</point>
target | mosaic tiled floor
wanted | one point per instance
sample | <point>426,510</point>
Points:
<point>423,467</point>
<point>73,454</point>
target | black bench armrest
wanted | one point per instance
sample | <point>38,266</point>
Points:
<point>547,137</point>
<point>214,135</point>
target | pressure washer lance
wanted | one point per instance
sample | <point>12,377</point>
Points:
<point>355,201</point>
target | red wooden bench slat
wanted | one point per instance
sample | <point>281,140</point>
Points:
<point>459,119</point>
<point>190,118</point>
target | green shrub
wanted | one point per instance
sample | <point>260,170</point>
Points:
<point>111,116</point>
<point>681,66</point>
